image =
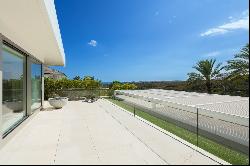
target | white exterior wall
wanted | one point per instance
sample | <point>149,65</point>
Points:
<point>33,26</point>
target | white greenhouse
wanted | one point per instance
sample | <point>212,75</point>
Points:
<point>220,117</point>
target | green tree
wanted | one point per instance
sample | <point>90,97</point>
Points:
<point>238,73</point>
<point>239,66</point>
<point>54,87</point>
<point>77,78</point>
<point>116,82</point>
<point>207,70</point>
<point>88,78</point>
<point>90,83</point>
<point>49,88</point>
<point>195,82</point>
<point>128,86</point>
<point>116,85</point>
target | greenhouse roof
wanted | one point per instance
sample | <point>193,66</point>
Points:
<point>232,105</point>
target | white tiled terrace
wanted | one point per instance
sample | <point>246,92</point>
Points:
<point>96,133</point>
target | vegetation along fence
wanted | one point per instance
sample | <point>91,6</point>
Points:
<point>78,94</point>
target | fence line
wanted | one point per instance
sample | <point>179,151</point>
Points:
<point>228,133</point>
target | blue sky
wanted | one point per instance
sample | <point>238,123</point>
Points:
<point>143,40</point>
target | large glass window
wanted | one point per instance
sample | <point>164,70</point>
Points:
<point>36,84</point>
<point>13,88</point>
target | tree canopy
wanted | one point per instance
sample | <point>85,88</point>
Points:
<point>234,80</point>
<point>51,86</point>
<point>239,66</point>
<point>206,70</point>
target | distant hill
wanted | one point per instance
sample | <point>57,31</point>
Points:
<point>170,85</point>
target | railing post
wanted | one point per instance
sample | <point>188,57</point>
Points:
<point>197,129</point>
<point>134,111</point>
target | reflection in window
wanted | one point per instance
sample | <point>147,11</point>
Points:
<point>13,88</point>
<point>36,84</point>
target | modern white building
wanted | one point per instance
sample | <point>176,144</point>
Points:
<point>29,37</point>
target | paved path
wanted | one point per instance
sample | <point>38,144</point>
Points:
<point>94,133</point>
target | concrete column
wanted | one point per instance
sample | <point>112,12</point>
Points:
<point>28,83</point>
<point>42,86</point>
<point>1,90</point>
<point>1,112</point>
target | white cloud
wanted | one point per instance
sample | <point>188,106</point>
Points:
<point>92,43</point>
<point>214,31</point>
<point>212,54</point>
<point>240,23</point>
<point>223,52</point>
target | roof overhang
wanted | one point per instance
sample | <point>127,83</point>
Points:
<point>33,25</point>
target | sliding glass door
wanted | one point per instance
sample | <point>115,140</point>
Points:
<point>14,96</point>
<point>36,84</point>
<point>21,86</point>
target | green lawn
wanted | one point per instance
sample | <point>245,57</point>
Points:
<point>219,150</point>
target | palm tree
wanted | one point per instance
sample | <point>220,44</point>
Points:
<point>239,66</point>
<point>207,71</point>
